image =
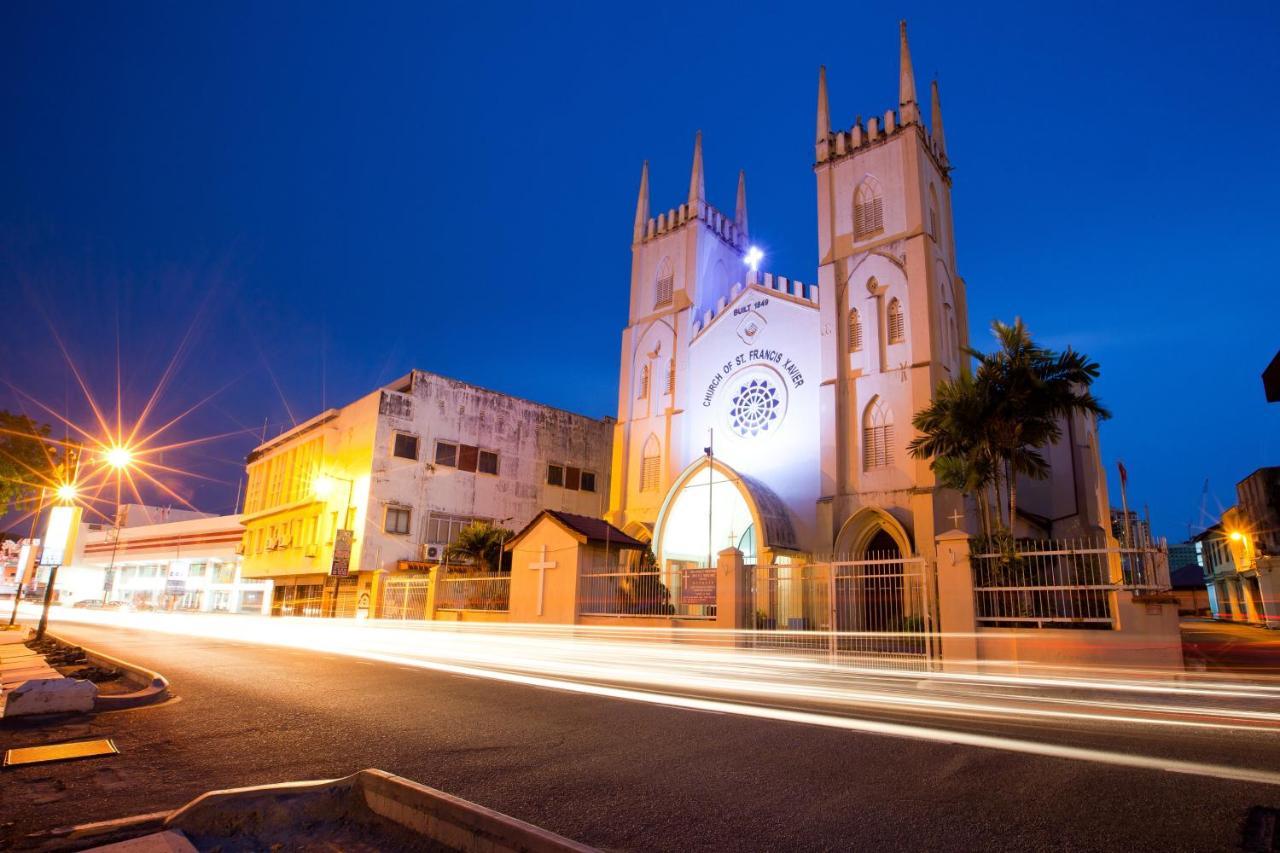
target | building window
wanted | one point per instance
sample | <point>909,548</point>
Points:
<point>487,462</point>
<point>468,457</point>
<point>447,454</point>
<point>588,481</point>
<point>196,570</point>
<point>651,466</point>
<point>897,326</point>
<point>643,384</point>
<point>397,520</point>
<point>443,528</point>
<point>671,376</point>
<point>877,436</point>
<point>868,209</point>
<point>855,331</point>
<point>405,446</point>
<point>666,284</point>
<point>555,475</point>
<point>572,478</point>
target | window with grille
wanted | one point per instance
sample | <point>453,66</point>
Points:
<point>671,377</point>
<point>855,331</point>
<point>443,528</point>
<point>643,384</point>
<point>666,284</point>
<point>868,209</point>
<point>447,454</point>
<point>487,462</point>
<point>897,326</point>
<point>588,481</point>
<point>877,436</point>
<point>555,475</point>
<point>397,520</point>
<point>405,446</point>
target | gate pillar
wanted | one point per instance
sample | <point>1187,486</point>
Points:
<point>731,590</point>
<point>957,619</point>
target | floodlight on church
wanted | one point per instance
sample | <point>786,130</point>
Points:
<point>753,258</point>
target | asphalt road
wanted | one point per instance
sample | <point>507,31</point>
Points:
<point>612,773</point>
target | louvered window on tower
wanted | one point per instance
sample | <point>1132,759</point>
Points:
<point>897,326</point>
<point>868,210</point>
<point>877,436</point>
<point>671,377</point>
<point>642,392</point>
<point>650,468</point>
<point>855,331</point>
<point>665,284</point>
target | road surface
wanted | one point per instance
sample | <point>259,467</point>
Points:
<point>624,774</point>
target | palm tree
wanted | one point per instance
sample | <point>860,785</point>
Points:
<point>480,541</point>
<point>983,431</point>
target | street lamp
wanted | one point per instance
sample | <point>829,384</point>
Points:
<point>118,456</point>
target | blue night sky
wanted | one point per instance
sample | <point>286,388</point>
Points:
<point>307,200</point>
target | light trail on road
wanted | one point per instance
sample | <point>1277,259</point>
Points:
<point>707,670</point>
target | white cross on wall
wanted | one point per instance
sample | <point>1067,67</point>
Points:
<point>541,567</point>
<point>956,517</point>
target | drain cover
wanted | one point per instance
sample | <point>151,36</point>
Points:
<point>58,752</point>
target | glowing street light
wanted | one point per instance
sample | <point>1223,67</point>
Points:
<point>67,492</point>
<point>119,457</point>
<point>753,258</point>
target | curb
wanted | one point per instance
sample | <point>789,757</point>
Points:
<point>156,690</point>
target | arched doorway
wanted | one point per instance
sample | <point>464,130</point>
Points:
<point>881,582</point>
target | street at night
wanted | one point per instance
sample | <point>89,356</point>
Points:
<point>633,774</point>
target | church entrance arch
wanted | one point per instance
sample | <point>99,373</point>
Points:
<point>708,509</point>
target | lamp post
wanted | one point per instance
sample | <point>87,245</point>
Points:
<point>323,487</point>
<point>67,515</point>
<point>502,539</point>
<point>22,578</point>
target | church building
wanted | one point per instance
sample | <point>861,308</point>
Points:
<point>773,414</point>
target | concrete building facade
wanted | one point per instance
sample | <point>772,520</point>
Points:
<point>404,469</point>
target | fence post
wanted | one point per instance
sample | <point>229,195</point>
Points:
<point>957,618</point>
<point>731,595</point>
<point>433,588</point>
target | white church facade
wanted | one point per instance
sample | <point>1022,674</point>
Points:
<point>773,414</point>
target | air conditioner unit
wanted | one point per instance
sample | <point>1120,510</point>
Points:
<point>310,551</point>
<point>433,551</point>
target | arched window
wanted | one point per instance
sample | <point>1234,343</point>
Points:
<point>643,385</point>
<point>666,284</point>
<point>877,436</point>
<point>897,325</point>
<point>671,376</point>
<point>934,224</point>
<point>950,343</point>
<point>868,209</point>
<point>855,331</point>
<point>651,465</point>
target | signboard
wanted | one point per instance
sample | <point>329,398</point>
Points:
<point>60,535</point>
<point>698,586</point>
<point>176,581</point>
<point>341,554</point>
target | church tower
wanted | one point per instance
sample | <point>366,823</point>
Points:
<point>683,262</point>
<point>894,323</point>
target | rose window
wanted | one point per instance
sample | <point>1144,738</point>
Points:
<point>755,408</point>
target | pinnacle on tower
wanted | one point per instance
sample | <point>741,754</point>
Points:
<point>642,205</point>
<point>824,113</point>
<point>697,187</point>
<point>740,214</point>
<point>939,139</point>
<point>906,81</point>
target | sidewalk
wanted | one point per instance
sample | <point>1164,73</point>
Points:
<point>19,663</point>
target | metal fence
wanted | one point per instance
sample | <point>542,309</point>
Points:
<point>1062,583</point>
<point>474,592</point>
<point>406,598</point>
<point>684,593</point>
<point>878,609</point>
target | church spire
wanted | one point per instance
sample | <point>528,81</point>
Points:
<point>824,112</point>
<point>697,187</point>
<point>740,214</point>
<point>939,139</point>
<point>642,205</point>
<point>906,81</point>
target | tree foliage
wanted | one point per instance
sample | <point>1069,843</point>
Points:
<point>26,460</point>
<point>480,541</point>
<point>983,430</point>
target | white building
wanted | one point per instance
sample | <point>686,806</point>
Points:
<point>773,414</point>
<point>405,468</point>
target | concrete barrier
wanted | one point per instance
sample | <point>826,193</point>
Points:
<point>152,686</point>
<point>50,696</point>
<point>274,813</point>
